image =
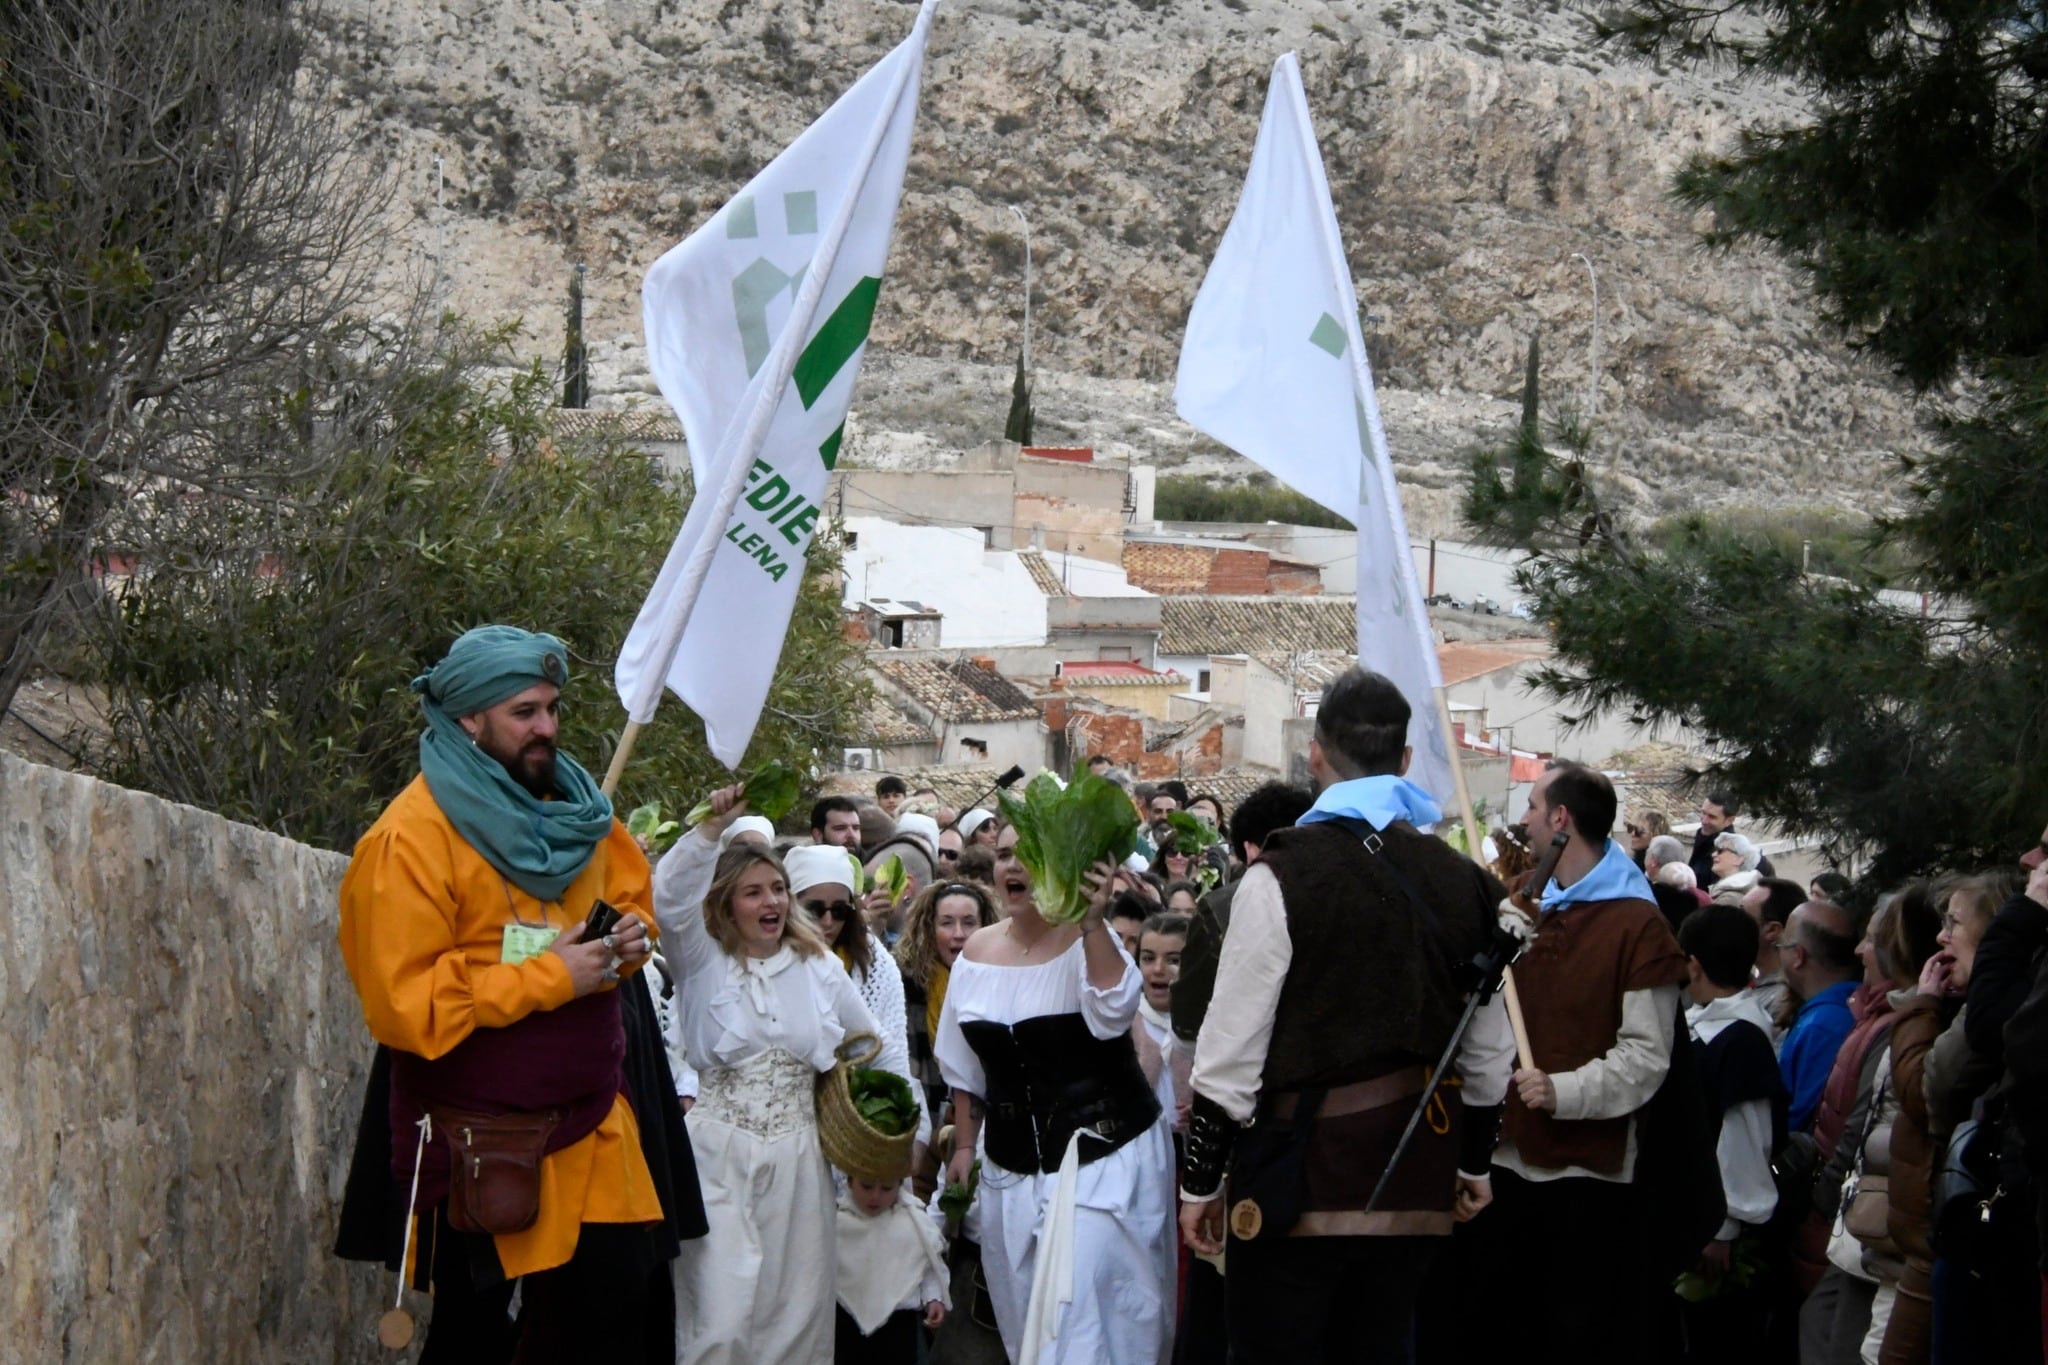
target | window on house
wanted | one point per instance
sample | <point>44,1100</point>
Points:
<point>988,537</point>
<point>892,634</point>
<point>1202,681</point>
<point>853,540</point>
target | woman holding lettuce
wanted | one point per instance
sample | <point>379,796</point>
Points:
<point>1077,1167</point>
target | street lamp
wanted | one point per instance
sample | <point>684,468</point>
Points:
<point>1026,223</point>
<point>1593,363</point>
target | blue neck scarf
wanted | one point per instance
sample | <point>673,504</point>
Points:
<point>539,846</point>
<point>1615,877</point>
<point>1379,801</point>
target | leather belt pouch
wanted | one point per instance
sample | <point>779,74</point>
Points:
<point>494,1167</point>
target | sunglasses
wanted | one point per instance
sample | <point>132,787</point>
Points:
<point>1635,829</point>
<point>836,909</point>
<point>949,855</point>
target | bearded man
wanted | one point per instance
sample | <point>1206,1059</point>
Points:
<point>510,1128</point>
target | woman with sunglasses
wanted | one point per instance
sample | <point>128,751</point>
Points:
<point>764,1008</point>
<point>821,879</point>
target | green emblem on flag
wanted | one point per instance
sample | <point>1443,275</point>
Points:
<point>1329,336</point>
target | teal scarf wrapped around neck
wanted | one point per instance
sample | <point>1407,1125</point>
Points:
<point>539,846</point>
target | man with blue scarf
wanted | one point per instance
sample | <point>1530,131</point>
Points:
<point>1340,983</point>
<point>462,918</point>
<point>1599,987</point>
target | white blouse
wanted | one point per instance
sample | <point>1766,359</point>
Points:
<point>983,992</point>
<point>733,1009</point>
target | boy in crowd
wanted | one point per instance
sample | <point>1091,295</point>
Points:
<point>1745,1095</point>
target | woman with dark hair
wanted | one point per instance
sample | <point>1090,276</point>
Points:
<point>764,1006</point>
<point>1181,897</point>
<point>1076,1192</point>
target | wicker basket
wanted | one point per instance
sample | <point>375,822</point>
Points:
<point>849,1141</point>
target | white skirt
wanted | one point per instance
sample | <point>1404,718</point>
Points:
<point>757,1288</point>
<point>1124,1254</point>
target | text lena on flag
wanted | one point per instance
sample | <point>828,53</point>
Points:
<point>755,328</point>
<point>1274,367</point>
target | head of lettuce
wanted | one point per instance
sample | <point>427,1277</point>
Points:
<point>1062,832</point>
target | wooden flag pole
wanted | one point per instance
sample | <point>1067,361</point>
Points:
<point>1509,995</point>
<point>620,755</point>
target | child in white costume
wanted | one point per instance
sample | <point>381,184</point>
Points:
<point>892,1275</point>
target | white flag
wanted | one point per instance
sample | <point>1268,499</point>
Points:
<point>755,328</point>
<point>1273,366</point>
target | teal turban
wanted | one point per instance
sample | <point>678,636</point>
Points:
<point>539,846</point>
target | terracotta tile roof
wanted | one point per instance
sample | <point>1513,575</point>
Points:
<point>883,724</point>
<point>1239,625</point>
<point>1463,660</point>
<point>636,424</point>
<point>1307,669</point>
<point>961,690</point>
<point>1041,573</point>
<point>1115,673</point>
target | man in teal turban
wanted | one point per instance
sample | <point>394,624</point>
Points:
<point>462,924</point>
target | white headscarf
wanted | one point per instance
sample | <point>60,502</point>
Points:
<point>810,865</point>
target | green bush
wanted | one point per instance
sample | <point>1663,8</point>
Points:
<point>1188,497</point>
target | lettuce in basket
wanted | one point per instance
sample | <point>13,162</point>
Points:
<point>646,825</point>
<point>883,1099</point>
<point>1063,833</point>
<point>771,790</point>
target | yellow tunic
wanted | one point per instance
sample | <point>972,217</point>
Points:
<point>423,918</point>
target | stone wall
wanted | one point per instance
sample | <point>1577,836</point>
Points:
<point>180,1077</point>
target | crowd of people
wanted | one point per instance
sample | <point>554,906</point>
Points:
<point>1277,1097</point>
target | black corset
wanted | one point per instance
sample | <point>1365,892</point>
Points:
<point>1049,1078</point>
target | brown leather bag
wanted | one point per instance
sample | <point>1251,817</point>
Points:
<point>494,1167</point>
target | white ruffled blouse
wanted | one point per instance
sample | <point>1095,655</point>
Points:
<point>733,1009</point>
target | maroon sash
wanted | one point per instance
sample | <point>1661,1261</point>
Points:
<point>568,1059</point>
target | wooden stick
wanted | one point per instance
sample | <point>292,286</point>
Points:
<point>1515,1020</point>
<point>1443,715</point>
<point>1507,976</point>
<point>620,755</point>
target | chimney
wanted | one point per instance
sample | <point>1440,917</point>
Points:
<point>982,661</point>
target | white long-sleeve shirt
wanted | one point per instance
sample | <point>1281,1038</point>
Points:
<point>1230,1052</point>
<point>1744,1152</point>
<point>1619,1081</point>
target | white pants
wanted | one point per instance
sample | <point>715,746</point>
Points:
<point>1124,1255</point>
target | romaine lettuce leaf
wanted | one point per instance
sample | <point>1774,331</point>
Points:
<point>646,824</point>
<point>1063,833</point>
<point>771,790</point>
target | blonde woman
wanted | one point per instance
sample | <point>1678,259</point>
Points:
<point>764,1004</point>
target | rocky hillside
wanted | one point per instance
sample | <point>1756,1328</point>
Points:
<point>1473,146</point>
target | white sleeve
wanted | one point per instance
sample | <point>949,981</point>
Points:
<point>882,989</point>
<point>681,880</point>
<point>1230,1052</point>
<point>1745,1157</point>
<point>1622,1079</point>
<point>957,1062</point>
<point>1110,1013</point>
<point>1487,1056</point>
<point>679,1066</point>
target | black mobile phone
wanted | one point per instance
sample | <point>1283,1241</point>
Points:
<point>603,919</point>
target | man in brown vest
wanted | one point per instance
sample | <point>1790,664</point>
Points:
<point>1599,988</point>
<point>1341,981</point>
